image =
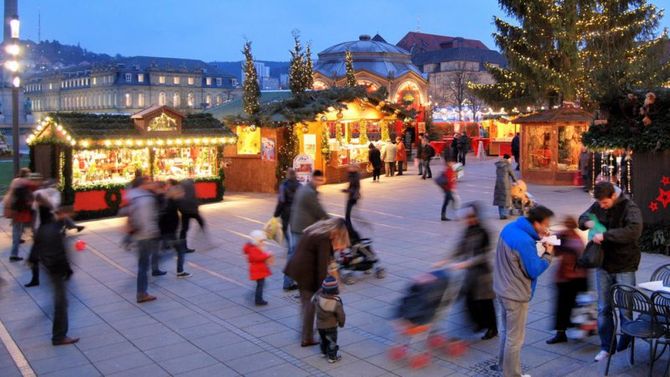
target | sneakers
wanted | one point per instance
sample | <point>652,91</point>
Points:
<point>184,274</point>
<point>32,283</point>
<point>15,259</point>
<point>145,298</point>
<point>560,337</point>
<point>64,341</point>
<point>188,251</point>
<point>261,303</point>
<point>158,273</point>
<point>335,359</point>
<point>602,355</point>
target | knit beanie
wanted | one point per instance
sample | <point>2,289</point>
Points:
<point>258,236</point>
<point>329,286</point>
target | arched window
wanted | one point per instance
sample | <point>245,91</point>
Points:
<point>176,100</point>
<point>162,99</point>
<point>190,99</point>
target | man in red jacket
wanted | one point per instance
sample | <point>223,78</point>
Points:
<point>449,187</point>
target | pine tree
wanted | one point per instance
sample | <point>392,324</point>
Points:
<point>252,91</point>
<point>297,67</point>
<point>349,65</point>
<point>309,68</point>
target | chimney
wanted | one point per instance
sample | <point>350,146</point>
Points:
<point>11,10</point>
<point>364,37</point>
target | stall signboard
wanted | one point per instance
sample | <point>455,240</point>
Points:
<point>309,143</point>
<point>303,165</point>
<point>268,150</point>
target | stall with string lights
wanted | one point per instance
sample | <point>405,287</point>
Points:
<point>94,157</point>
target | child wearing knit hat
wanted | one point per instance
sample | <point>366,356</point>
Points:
<point>259,259</point>
<point>329,315</point>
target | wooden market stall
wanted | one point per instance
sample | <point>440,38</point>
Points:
<point>500,132</point>
<point>551,144</point>
<point>94,157</point>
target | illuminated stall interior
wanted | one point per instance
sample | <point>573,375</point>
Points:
<point>500,132</point>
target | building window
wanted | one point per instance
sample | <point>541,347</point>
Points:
<point>140,99</point>
<point>208,100</point>
<point>191,81</point>
<point>190,99</point>
<point>95,81</point>
<point>51,86</point>
<point>140,77</point>
<point>208,81</point>
<point>219,81</point>
<point>218,99</point>
<point>176,100</point>
<point>129,77</point>
<point>175,80</point>
<point>161,99</point>
<point>161,79</point>
<point>128,100</point>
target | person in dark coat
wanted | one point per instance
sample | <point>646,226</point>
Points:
<point>309,266</point>
<point>585,168</point>
<point>502,197</point>
<point>516,150</point>
<point>621,250</point>
<point>419,153</point>
<point>287,190</point>
<point>353,195</point>
<point>50,249</point>
<point>188,207</point>
<point>454,146</point>
<point>375,158</point>
<point>463,147</point>
<point>168,223</point>
<point>428,154</point>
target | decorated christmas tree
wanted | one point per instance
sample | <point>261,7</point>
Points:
<point>349,65</point>
<point>300,68</point>
<point>252,92</point>
<point>309,68</point>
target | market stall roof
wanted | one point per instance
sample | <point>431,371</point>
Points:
<point>559,115</point>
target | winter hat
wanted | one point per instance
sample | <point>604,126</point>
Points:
<point>329,286</point>
<point>258,236</point>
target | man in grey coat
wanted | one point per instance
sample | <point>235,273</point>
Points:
<point>502,196</point>
<point>305,211</point>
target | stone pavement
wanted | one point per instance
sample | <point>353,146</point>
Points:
<point>208,326</point>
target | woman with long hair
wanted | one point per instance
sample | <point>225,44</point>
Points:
<point>309,266</point>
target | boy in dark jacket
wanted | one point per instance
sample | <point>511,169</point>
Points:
<point>428,154</point>
<point>621,250</point>
<point>329,315</point>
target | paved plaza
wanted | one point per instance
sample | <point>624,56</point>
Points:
<point>207,325</point>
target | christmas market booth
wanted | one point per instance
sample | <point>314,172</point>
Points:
<point>499,133</point>
<point>326,130</point>
<point>551,142</point>
<point>630,145</point>
<point>94,157</point>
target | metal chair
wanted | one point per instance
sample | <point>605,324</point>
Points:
<point>661,302</point>
<point>635,316</point>
<point>662,273</point>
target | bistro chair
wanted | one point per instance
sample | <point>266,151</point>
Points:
<point>661,302</point>
<point>662,273</point>
<point>634,315</point>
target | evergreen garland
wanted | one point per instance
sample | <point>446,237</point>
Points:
<point>286,153</point>
<point>349,65</point>
<point>364,133</point>
<point>252,91</point>
<point>325,146</point>
<point>296,70</point>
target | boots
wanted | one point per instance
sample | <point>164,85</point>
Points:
<point>560,337</point>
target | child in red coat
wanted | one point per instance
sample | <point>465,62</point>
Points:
<point>259,259</point>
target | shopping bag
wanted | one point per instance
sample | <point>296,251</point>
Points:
<point>273,230</point>
<point>592,257</point>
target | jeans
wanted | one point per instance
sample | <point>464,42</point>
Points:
<point>502,211</point>
<point>512,334</point>
<point>461,157</point>
<point>347,218</point>
<point>60,324</point>
<point>328,344</point>
<point>308,315</point>
<point>295,238</point>
<point>427,173</point>
<point>448,197</point>
<point>186,220</point>
<point>179,246</point>
<point>604,282</point>
<point>17,232</point>
<point>400,166</point>
<point>146,249</point>
<point>420,167</point>
<point>260,283</point>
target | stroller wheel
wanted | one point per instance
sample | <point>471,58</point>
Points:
<point>397,353</point>
<point>420,361</point>
<point>380,273</point>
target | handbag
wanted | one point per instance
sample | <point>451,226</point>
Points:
<point>441,180</point>
<point>592,257</point>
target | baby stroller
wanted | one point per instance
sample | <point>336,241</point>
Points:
<point>522,200</point>
<point>359,257</point>
<point>425,301</point>
<point>584,316</point>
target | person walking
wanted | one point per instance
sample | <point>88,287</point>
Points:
<point>389,156</point>
<point>353,195</point>
<point>449,187</point>
<point>516,150</point>
<point>472,255</point>
<point>168,223</point>
<point>401,156</point>
<point>309,266</point>
<point>463,147</point>
<point>427,154</point>
<point>585,168</point>
<point>50,249</point>
<point>621,251</point>
<point>517,268</point>
<point>329,316</point>
<point>502,197</point>
<point>287,191</point>
<point>454,146</point>
<point>189,209</point>
<point>375,159</point>
<point>419,154</point>
<point>259,260</point>
<point>21,211</point>
<point>570,279</point>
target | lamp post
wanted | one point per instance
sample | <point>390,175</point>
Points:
<point>12,65</point>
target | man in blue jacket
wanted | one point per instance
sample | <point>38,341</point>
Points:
<point>518,265</point>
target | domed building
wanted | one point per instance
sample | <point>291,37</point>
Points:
<point>376,64</point>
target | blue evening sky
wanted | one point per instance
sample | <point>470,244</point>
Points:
<point>216,29</point>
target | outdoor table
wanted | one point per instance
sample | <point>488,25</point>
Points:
<point>654,286</point>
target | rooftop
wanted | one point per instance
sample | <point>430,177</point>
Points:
<point>416,42</point>
<point>562,114</point>
<point>459,54</point>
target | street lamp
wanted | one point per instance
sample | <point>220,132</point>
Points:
<point>12,65</point>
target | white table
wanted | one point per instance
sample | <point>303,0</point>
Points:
<point>654,286</point>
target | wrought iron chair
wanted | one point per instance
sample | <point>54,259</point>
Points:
<point>634,315</point>
<point>661,302</point>
<point>662,273</point>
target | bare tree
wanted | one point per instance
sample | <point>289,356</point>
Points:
<point>474,102</point>
<point>457,86</point>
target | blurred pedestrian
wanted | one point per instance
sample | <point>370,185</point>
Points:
<point>21,210</point>
<point>463,147</point>
<point>449,187</point>
<point>309,266</point>
<point>502,196</point>
<point>287,191</point>
<point>189,209</point>
<point>168,223</point>
<point>516,150</point>
<point>570,279</point>
<point>401,156</point>
<point>375,159</point>
<point>427,155</point>
<point>419,154</point>
<point>622,219</point>
<point>259,260</point>
<point>353,195</point>
<point>329,316</point>
<point>585,168</point>
<point>454,146</point>
<point>517,268</point>
<point>389,157</point>
<point>50,249</point>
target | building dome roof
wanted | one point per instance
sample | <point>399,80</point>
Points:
<point>372,55</point>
